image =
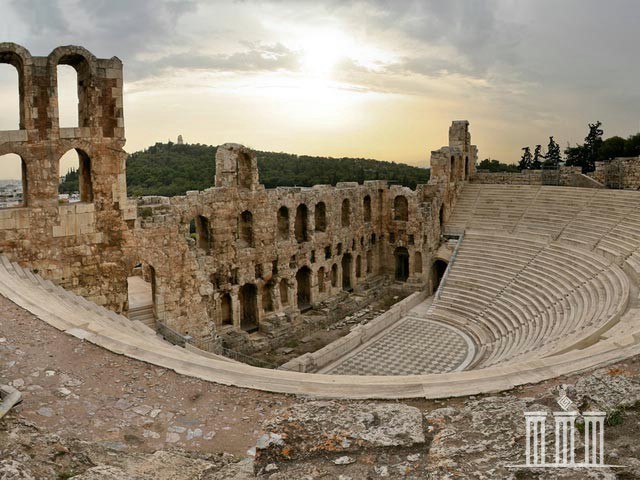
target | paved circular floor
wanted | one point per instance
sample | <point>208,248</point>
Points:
<point>414,346</point>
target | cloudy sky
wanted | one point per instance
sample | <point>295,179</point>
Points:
<point>380,79</point>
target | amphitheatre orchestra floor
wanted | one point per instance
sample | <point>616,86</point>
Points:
<point>412,346</point>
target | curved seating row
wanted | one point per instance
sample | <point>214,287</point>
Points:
<point>532,297</point>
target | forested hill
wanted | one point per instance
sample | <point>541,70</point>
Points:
<point>171,169</point>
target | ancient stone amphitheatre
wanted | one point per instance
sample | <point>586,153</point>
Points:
<point>512,283</point>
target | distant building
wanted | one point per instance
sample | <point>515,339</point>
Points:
<point>180,140</point>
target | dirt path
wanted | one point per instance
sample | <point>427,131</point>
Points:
<point>74,388</point>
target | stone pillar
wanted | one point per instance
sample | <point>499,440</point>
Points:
<point>535,452</point>
<point>594,437</point>
<point>565,437</point>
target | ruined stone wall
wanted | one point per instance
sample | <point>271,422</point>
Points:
<point>564,176</point>
<point>288,246</point>
<point>235,257</point>
<point>618,173</point>
<point>76,245</point>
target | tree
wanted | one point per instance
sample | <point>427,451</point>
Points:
<point>553,157</point>
<point>536,163</point>
<point>611,148</point>
<point>493,165</point>
<point>586,155</point>
<point>525,160</point>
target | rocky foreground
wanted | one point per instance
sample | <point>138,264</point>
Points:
<point>90,414</point>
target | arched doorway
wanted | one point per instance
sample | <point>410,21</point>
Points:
<point>347,262</point>
<point>10,79</point>
<point>321,217</point>
<point>366,206</point>
<point>401,208</point>
<point>14,193</point>
<point>401,255</point>
<point>417,262</point>
<point>141,295</point>
<point>437,272</point>
<point>303,284</point>
<point>283,223</point>
<point>226,310</point>
<point>249,307</point>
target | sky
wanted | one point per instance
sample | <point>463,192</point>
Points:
<point>377,79</point>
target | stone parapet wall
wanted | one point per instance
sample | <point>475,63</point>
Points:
<point>621,173</point>
<point>564,176</point>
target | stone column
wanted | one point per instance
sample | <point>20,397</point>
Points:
<point>594,436</point>
<point>565,437</point>
<point>535,452</point>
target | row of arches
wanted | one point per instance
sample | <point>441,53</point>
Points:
<point>71,83</point>
<point>75,162</point>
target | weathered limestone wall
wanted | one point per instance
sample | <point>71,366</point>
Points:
<point>75,245</point>
<point>565,176</point>
<point>619,173</point>
<point>288,246</point>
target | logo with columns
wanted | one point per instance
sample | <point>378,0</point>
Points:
<point>565,438</point>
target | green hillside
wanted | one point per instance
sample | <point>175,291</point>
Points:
<point>170,169</point>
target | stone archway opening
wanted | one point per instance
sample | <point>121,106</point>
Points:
<point>248,298</point>
<point>401,208</point>
<point>302,223</point>
<point>142,295</point>
<point>347,262</point>
<point>438,269</point>
<point>303,284</point>
<point>77,186</point>
<point>226,310</point>
<point>15,192</point>
<point>10,77</point>
<point>401,256</point>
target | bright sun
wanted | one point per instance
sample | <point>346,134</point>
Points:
<point>323,49</point>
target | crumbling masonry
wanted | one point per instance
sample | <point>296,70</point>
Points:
<point>235,257</point>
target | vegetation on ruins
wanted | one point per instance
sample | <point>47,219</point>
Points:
<point>173,169</point>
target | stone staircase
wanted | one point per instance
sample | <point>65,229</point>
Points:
<point>143,314</point>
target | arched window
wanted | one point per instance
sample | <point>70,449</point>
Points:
<point>302,223</point>
<point>466,167</point>
<point>74,88</point>
<point>10,81</point>
<point>245,229</point>
<point>321,217</point>
<point>369,261</point>
<point>366,206</point>
<point>321,275</point>
<point>245,174</point>
<point>68,97</point>
<point>284,292</point>
<point>358,266</point>
<point>346,212</point>
<point>441,216</point>
<point>200,229</point>
<point>334,275</point>
<point>77,177</point>
<point>401,208</point>
<point>14,192</point>
<point>283,223</point>
<point>417,262</point>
